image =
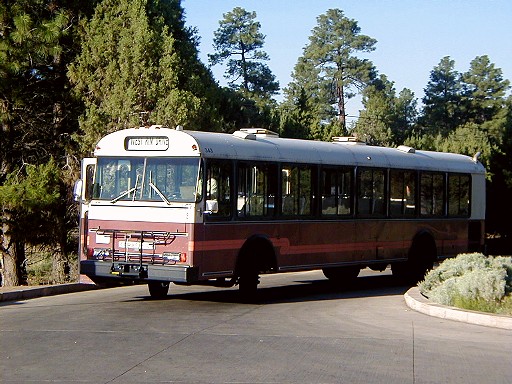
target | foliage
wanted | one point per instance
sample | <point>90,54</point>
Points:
<point>40,266</point>
<point>469,279</point>
<point>329,71</point>
<point>31,189</point>
<point>442,101</point>
<point>38,115</point>
<point>238,41</point>
<point>138,64</point>
<point>387,119</point>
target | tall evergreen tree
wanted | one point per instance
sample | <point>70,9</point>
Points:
<point>375,121</point>
<point>442,111</point>
<point>37,118</point>
<point>338,73</point>
<point>484,91</point>
<point>139,64</point>
<point>238,41</point>
<point>386,119</point>
<point>406,116</point>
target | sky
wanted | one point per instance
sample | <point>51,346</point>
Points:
<point>412,35</point>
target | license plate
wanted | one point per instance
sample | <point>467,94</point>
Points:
<point>136,245</point>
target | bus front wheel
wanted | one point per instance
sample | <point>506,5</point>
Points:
<point>248,285</point>
<point>341,275</point>
<point>158,289</point>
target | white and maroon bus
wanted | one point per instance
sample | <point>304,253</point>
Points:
<point>162,205</point>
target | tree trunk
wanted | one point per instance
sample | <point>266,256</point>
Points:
<point>341,106</point>
<point>13,258</point>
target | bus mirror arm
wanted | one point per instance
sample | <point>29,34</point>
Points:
<point>212,206</point>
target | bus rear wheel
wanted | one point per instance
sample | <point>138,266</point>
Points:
<point>158,289</point>
<point>422,256</point>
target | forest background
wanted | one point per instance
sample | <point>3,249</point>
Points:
<point>73,71</point>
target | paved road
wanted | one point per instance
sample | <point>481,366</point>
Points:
<point>302,331</point>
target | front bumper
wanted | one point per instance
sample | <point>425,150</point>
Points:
<point>106,270</point>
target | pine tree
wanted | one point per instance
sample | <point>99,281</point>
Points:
<point>338,74</point>
<point>377,117</point>
<point>139,65</point>
<point>442,111</point>
<point>37,119</point>
<point>406,116</point>
<point>239,42</point>
<point>484,97</point>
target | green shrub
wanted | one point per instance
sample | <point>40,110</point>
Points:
<point>471,281</point>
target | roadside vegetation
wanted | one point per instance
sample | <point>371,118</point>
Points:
<point>472,281</point>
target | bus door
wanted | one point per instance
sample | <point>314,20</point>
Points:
<point>83,194</point>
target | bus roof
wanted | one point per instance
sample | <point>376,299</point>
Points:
<point>262,145</point>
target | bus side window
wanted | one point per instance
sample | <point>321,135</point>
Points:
<point>257,188</point>
<point>218,186</point>
<point>336,191</point>
<point>458,195</point>
<point>297,190</point>
<point>432,194</point>
<point>371,192</point>
<point>402,195</point>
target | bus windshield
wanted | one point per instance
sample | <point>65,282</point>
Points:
<point>146,179</point>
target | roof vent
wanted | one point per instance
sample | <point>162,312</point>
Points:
<point>406,149</point>
<point>347,140</point>
<point>244,135</point>
<point>260,132</point>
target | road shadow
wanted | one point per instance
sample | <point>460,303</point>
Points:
<point>299,290</point>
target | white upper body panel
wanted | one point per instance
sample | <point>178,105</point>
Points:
<point>166,142</point>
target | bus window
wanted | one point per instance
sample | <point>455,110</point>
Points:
<point>370,192</point>
<point>297,190</point>
<point>402,193</point>
<point>118,178</point>
<point>336,191</point>
<point>256,191</point>
<point>458,192</point>
<point>170,179</point>
<point>89,181</point>
<point>432,194</point>
<point>152,179</point>
<point>218,186</point>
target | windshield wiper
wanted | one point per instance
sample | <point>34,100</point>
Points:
<point>115,200</point>
<point>159,192</point>
<point>123,194</point>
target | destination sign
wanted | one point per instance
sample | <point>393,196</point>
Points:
<point>147,143</point>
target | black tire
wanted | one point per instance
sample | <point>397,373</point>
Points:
<point>248,286</point>
<point>158,289</point>
<point>343,276</point>
<point>256,256</point>
<point>422,256</point>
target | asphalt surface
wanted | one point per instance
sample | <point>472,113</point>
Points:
<point>303,330</point>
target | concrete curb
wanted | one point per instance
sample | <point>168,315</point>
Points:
<point>416,301</point>
<point>24,293</point>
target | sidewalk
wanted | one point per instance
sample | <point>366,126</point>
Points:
<point>30,292</point>
<point>416,301</point>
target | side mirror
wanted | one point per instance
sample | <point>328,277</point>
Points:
<point>212,206</point>
<point>77,190</point>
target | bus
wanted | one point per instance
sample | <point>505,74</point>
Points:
<point>162,205</point>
